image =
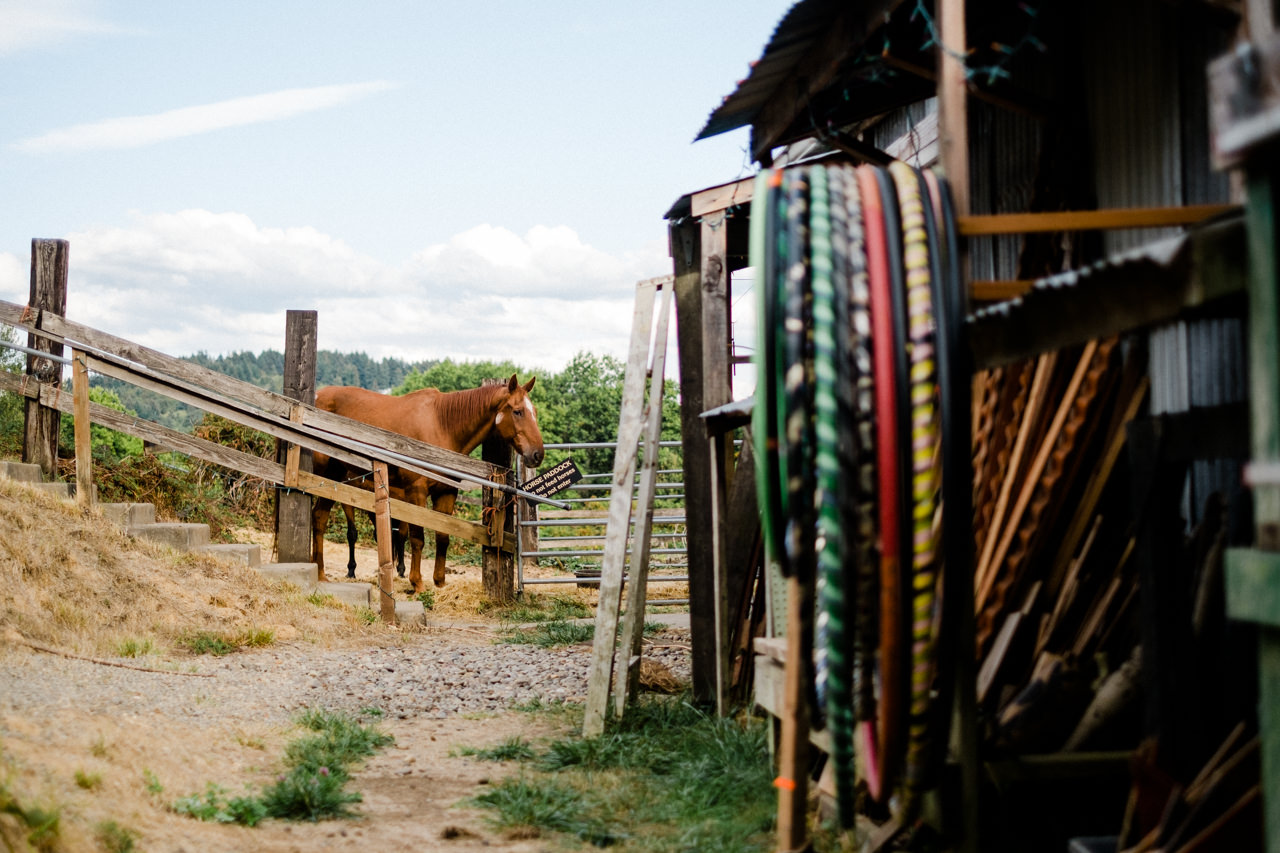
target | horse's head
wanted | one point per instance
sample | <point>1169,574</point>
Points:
<point>517,422</point>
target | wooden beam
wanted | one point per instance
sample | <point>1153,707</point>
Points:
<point>242,396</point>
<point>998,291</point>
<point>293,510</point>
<point>715,199</point>
<point>83,432</point>
<point>953,100</point>
<point>48,296</point>
<point>382,528</point>
<point>1089,220</point>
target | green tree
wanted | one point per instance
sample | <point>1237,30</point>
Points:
<point>109,446</point>
<point>450,375</point>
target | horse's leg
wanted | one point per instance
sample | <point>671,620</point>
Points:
<point>352,535</point>
<point>398,536</point>
<point>319,523</point>
<point>443,502</point>
<point>415,493</point>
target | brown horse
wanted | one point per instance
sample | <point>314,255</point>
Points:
<point>457,421</point>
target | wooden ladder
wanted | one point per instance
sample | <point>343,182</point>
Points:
<point>637,425</point>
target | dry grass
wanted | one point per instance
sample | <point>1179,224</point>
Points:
<point>72,579</point>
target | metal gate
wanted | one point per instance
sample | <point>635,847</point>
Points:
<point>573,539</point>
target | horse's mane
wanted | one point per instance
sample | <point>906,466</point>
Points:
<point>461,406</point>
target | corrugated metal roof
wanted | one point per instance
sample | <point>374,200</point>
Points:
<point>802,25</point>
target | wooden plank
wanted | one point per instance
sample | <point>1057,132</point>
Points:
<point>232,392</point>
<point>953,101</point>
<point>627,663</point>
<point>256,466</point>
<point>293,509</point>
<point>382,529</point>
<point>84,438</point>
<point>718,198</point>
<point>412,513</point>
<point>613,563</point>
<point>149,431</point>
<point>1089,220</point>
<point>1037,467</point>
<point>998,291</point>
<point>211,402</point>
<point>793,753</point>
<point>48,296</point>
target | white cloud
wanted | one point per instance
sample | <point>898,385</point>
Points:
<point>139,131</point>
<point>219,283</point>
<point>547,261</point>
<point>31,25</point>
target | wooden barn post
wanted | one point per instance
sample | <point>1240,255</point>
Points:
<point>293,508</point>
<point>692,306</point>
<point>498,568</point>
<point>48,293</point>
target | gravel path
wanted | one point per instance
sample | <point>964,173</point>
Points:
<point>432,675</point>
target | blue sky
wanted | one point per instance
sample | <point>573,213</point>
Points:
<point>437,180</point>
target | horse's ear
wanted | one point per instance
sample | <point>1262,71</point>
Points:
<point>528,386</point>
<point>512,384</point>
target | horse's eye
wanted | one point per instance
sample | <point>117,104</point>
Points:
<point>519,413</point>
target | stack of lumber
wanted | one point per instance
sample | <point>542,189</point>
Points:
<point>1055,591</point>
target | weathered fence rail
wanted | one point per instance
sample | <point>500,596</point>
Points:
<point>298,424</point>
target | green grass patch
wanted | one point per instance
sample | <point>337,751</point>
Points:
<point>135,648</point>
<point>313,784</point>
<point>550,634</point>
<point>322,599</point>
<point>428,598</point>
<point>207,643</point>
<point>256,638</point>
<point>514,748</point>
<point>666,777</point>
<point>88,781</point>
<point>545,608</point>
<point>31,826</point>
<point>115,838</point>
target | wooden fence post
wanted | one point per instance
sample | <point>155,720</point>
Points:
<point>84,436</point>
<point>498,569</point>
<point>293,508</point>
<point>48,294</point>
<point>382,523</point>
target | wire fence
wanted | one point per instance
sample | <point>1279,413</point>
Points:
<point>570,542</point>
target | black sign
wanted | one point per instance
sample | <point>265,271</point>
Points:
<point>558,478</point>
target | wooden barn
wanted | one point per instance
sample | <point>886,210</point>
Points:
<point>1026,603</point>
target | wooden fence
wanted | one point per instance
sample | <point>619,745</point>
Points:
<point>298,424</point>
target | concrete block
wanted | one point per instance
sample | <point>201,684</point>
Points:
<point>243,554</point>
<point>129,514</point>
<point>65,491</point>
<point>23,472</point>
<point>184,537</point>
<point>302,575</point>
<point>410,613</point>
<point>354,594</point>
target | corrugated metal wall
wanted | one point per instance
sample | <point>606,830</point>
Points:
<point>1151,148</point>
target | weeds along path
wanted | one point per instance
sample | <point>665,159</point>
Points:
<point>108,750</point>
<point>144,739</point>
